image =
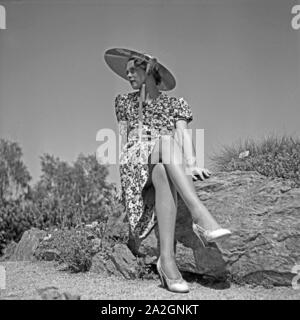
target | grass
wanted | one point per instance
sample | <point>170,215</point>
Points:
<point>272,156</point>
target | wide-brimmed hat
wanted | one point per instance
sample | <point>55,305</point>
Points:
<point>117,59</point>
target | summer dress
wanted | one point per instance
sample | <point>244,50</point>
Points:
<point>137,193</point>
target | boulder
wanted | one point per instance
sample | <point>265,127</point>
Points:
<point>102,265</point>
<point>187,258</point>
<point>26,247</point>
<point>264,217</point>
<point>124,261</point>
<point>119,262</point>
<point>117,259</point>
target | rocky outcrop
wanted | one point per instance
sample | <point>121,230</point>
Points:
<point>262,213</point>
<point>264,216</point>
<point>27,245</point>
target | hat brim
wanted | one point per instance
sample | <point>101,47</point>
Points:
<point>117,59</point>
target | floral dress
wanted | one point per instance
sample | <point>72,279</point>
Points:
<point>137,193</point>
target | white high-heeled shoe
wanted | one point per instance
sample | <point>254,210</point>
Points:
<point>210,236</point>
<point>174,285</point>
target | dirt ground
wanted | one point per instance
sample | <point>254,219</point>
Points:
<point>24,278</point>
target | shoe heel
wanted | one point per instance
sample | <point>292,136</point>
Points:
<point>179,285</point>
<point>210,236</point>
<point>200,235</point>
<point>162,280</point>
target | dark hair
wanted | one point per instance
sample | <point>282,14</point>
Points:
<point>143,65</point>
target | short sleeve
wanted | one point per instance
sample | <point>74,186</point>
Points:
<point>120,109</point>
<point>182,111</point>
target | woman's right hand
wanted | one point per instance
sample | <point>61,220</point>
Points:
<point>199,173</point>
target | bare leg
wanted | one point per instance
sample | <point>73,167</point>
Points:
<point>168,150</point>
<point>166,209</point>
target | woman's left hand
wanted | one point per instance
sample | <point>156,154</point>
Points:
<point>199,173</point>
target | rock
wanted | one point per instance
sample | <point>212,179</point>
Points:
<point>264,219</point>
<point>53,293</point>
<point>244,154</point>
<point>119,262</point>
<point>124,261</point>
<point>186,257</point>
<point>149,246</point>
<point>102,265</point>
<point>69,296</point>
<point>11,297</point>
<point>27,245</point>
<point>50,293</point>
<point>265,223</point>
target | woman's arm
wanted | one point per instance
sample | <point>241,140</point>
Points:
<point>185,142</point>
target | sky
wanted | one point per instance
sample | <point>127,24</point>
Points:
<point>236,62</point>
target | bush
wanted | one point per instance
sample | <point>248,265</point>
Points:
<point>271,157</point>
<point>66,195</point>
<point>77,246</point>
<point>17,216</point>
<point>75,250</point>
<point>14,220</point>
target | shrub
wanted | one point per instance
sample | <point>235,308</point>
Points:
<point>272,157</point>
<point>75,250</point>
<point>77,246</point>
<point>14,220</point>
<point>17,216</point>
<point>66,195</point>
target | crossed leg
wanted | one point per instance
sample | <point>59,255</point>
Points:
<point>169,177</point>
<point>168,151</point>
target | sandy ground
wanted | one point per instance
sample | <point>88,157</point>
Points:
<point>23,278</point>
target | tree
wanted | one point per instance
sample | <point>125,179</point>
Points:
<point>14,176</point>
<point>73,193</point>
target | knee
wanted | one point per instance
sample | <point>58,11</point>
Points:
<point>159,174</point>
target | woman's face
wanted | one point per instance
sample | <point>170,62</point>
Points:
<point>136,75</point>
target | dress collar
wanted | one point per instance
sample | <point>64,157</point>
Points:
<point>136,96</point>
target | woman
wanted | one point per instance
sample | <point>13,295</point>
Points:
<point>155,123</point>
